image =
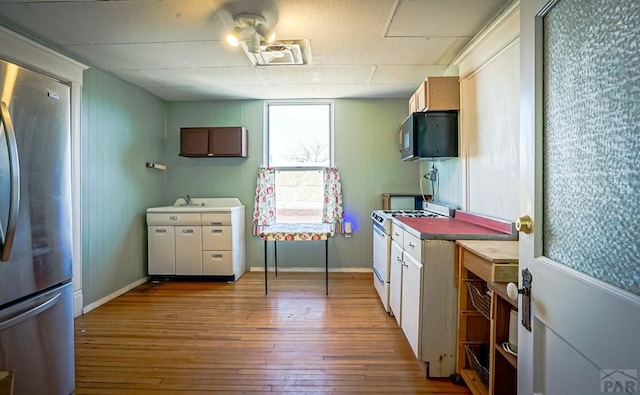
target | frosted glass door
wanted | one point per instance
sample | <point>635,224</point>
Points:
<point>580,180</point>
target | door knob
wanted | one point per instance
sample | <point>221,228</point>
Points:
<point>524,224</point>
<point>513,291</point>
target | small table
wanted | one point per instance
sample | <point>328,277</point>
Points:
<point>296,232</point>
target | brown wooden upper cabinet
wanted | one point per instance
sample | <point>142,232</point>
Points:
<point>222,142</point>
<point>436,94</point>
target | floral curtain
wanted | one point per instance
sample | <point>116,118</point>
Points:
<point>264,208</point>
<point>332,211</point>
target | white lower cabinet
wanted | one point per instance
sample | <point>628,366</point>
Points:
<point>395,286</point>
<point>188,250</point>
<point>197,244</point>
<point>423,298</point>
<point>411,301</point>
<point>162,250</point>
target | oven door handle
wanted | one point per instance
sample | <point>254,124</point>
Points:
<point>378,229</point>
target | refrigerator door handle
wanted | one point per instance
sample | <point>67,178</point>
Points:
<point>29,313</point>
<point>14,173</point>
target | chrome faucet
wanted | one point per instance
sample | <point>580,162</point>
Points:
<point>187,199</point>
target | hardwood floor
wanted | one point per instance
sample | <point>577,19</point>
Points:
<point>200,337</point>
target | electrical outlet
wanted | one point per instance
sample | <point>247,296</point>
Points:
<point>431,175</point>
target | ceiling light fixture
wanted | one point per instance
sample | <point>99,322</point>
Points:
<point>250,28</point>
<point>234,37</point>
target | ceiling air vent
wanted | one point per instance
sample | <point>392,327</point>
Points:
<point>280,53</point>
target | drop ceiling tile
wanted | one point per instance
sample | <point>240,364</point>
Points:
<point>439,18</point>
<point>336,19</point>
<point>280,92</point>
<point>36,24</point>
<point>189,93</point>
<point>160,55</point>
<point>210,54</point>
<point>129,56</point>
<point>366,91</point>
<point>118,22</point>
<point>413,51</point>
<point>135,77</point>
<point>291,75</point>
<point>205,76</point>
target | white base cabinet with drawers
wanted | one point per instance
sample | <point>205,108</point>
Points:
<point>199,241</point>
<point>424,298</point>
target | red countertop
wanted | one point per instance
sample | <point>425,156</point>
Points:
<point>463,226</point>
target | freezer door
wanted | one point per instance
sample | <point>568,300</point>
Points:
<point>36,342</point>
<point>39,110</point>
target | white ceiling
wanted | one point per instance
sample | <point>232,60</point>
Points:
<point>175,49</point>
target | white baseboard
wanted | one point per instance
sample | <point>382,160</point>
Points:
<point>113,295</point>
<point>313,269</point>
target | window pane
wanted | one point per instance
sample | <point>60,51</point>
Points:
<point>299,196</point>
<point>299,135</point>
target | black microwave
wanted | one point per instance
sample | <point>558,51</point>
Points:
<point>430,134</point>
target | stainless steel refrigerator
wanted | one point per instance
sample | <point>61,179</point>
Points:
<point>36,293</point>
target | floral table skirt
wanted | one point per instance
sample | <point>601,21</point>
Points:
<point>296,232</point>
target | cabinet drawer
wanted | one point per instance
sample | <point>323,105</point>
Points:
<point>216,238</point>
<point>397,233</point>
<point>413,246</point>
<point>173,219</point>
<point>488,271</point>
<point>217,263</point>
<point>215,219</point>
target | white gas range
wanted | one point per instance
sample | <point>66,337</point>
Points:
<point>382,220</point>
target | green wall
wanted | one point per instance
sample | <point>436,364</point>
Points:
<point>123,127</point>
<point>365,133</point>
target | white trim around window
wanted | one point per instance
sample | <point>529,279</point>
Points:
<point>265,128</point>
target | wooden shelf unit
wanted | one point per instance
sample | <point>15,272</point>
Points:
<point>494,263</point>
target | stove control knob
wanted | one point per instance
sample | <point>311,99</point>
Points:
<point>524,224</point>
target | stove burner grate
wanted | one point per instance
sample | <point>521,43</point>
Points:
<point>413,214</point>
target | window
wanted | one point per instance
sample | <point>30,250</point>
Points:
<point>299,144</point>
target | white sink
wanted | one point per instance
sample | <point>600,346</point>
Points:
<point>200,205</point>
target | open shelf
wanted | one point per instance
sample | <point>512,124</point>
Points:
<point>473,381</point>
<point>510,358</point>
<point>477,264</point>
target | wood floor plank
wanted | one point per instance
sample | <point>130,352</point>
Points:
<point>230,338</point>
